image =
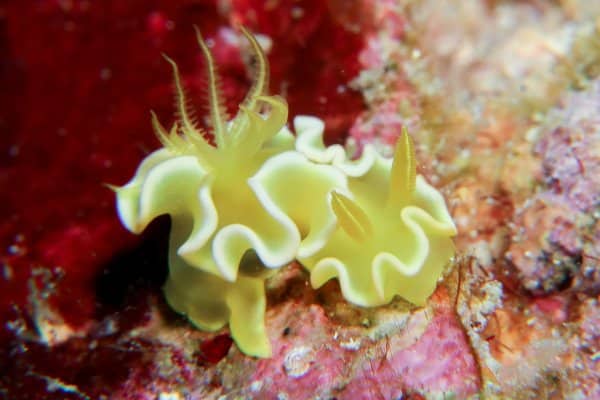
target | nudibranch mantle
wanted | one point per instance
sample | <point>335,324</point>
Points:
<point>394,230</point>
<point>193,182</point>
<point>259,198</point>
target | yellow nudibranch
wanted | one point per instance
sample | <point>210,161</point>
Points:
<point>260,198</point>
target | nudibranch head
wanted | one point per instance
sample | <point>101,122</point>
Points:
<point>393,233</point>
<point>192,180</point>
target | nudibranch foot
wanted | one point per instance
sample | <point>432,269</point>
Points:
<point>210,303</point>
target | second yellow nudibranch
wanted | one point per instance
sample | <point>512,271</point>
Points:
<point>394,230</point>
<point>260,198</point>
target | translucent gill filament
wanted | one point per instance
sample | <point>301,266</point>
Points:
<point>182,107</point>
<point>215,101</point>
<point>258,88</point>
<point>260,85</point>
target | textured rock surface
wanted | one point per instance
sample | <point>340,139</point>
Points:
<point>556,232</point>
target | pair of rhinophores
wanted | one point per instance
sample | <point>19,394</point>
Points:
<point>261,197</point>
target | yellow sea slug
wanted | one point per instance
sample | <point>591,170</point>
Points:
<point>217,219</point>
<point>394,230</point>
<point>260,198</point>
<point>205,189</point>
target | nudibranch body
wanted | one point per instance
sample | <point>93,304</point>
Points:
<point>393,232</point>
<point>208,186</point>
<point>216,216</point>
<point>259,198</point>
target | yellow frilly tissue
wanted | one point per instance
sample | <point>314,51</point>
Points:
<point>261,197</point>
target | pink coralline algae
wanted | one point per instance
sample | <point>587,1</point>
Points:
<point>384,84</point>
<point>556,241</point>
<point>400,355</point>
<point>410,370</point>
<point>589,342</point>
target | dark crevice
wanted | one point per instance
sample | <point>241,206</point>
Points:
<point>135,272</point>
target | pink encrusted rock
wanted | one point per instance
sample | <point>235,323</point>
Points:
<point>439,362</point>
<point>383,84</point>
<point>583,366</point>
<point>398,354</point>
<point>555,307</point>
<point>556,233</point>
<point>571,161</point>
<point>380,127</point>
<point>545,265</point>
<point>307,361</point>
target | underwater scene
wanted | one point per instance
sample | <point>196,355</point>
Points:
<point>299,199</point>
